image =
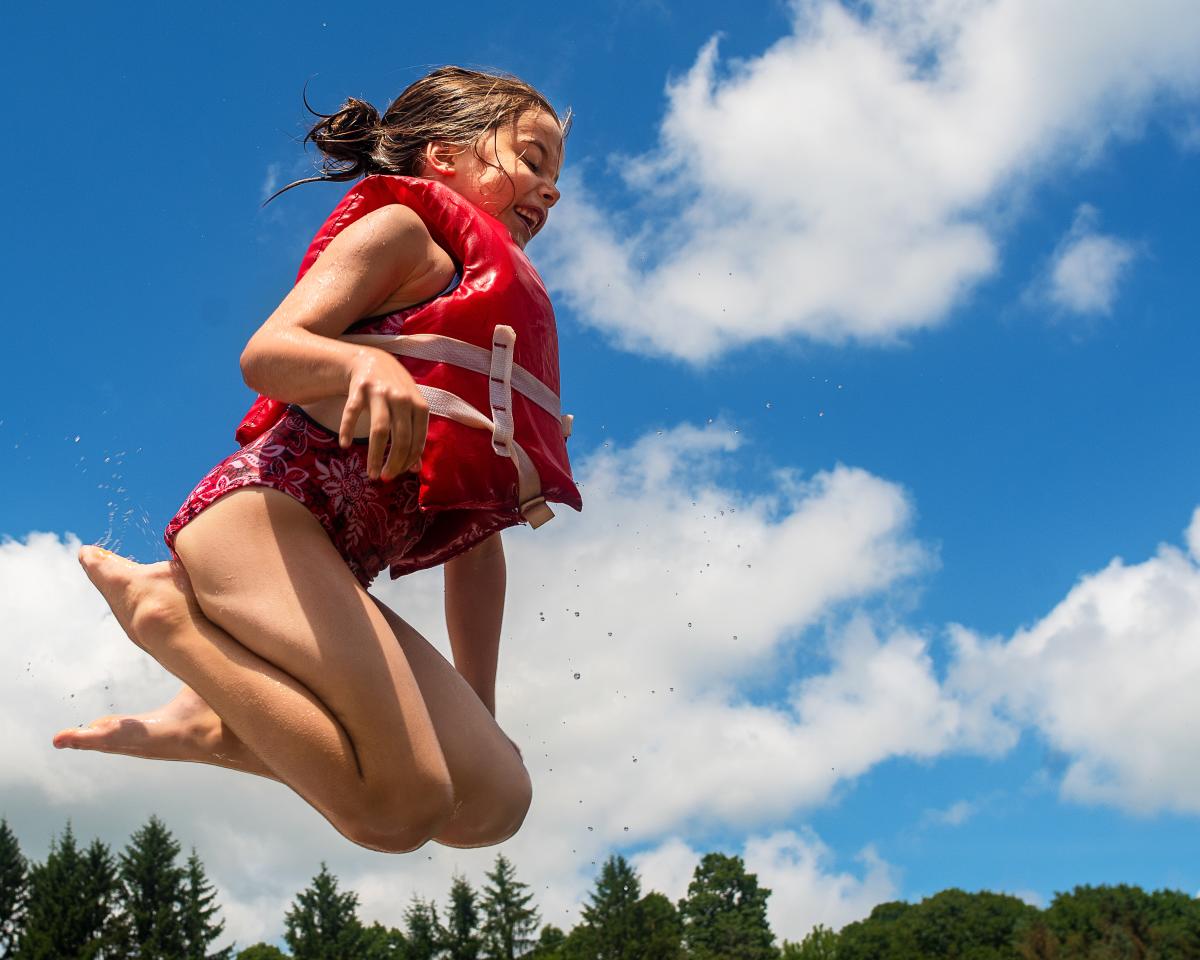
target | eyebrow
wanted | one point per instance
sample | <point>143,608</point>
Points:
<point>537,142</point>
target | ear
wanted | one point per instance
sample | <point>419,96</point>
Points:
<point>441,158</point>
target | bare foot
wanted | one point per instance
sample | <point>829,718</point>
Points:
<point>186,728</point>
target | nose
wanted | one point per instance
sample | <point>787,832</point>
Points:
<point>550,194</point>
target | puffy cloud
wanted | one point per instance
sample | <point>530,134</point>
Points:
<point>1087,267</point>
<point>668,595</point>
<point>844,184</point>
<point>1107,678</point>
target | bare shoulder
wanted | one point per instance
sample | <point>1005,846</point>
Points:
<point>397,237</point>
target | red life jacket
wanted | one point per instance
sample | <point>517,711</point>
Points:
<point>485,357</point>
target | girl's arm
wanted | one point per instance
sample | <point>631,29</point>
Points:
<point>475,583</point>
<point>295,357</point>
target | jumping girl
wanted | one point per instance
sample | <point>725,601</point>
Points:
<point>291,669</point>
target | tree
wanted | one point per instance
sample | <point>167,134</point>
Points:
<point>323,924</point>
<point>197,913</point>
<point>548,944</point>
<point>725,912</point>
<point>14,888</point>
<point>262,951</point>
<point>509,921</point>
<point>611,915</point>
<point>382,943</point>
<point>617,925</point>
<point>72,905</point>
<point>819,944</point>
<point>659,928</point>
<point>423,932</point>
<point>462,940</point>
<point>153,891</point>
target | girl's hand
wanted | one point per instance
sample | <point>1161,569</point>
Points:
<point>381,386</point>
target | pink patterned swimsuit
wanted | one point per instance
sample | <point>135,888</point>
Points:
<point>372,524</point>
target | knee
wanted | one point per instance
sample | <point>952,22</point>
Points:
<point>394,824</point>
<point>493,819</point>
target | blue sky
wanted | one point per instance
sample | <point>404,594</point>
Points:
<point>950,374</point>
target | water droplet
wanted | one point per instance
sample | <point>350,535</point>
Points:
<point>590,829</point>
<point>610,633</point>
<point>626,829</point>
<point>768,404</point>
<point>821,414</point>
<point>576,613</point>
<point>577,677</point>
<point>77,439</point>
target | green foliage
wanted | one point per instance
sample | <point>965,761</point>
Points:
<point>424,933</point>
<point>725,913</point>
<point>262,951</point>
<point>952,924</point>
<point>1115,923</point>
<point>197,912</point>
<point>660,928</point>
<point>72,906</point>
<point>548,944</point>
<point>821,943</point>
<point>610,919</point>
<point>509,920</point>
<point>382,943</point>
<point>462,940</point>
<point>14,887</point>
<point>323,924</point>
<point>152,893</point>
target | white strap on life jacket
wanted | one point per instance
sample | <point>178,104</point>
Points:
<point>504,376</point>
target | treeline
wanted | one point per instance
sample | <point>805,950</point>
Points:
<point>144,904</point>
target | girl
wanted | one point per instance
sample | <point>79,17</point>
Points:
<point>291,669</point>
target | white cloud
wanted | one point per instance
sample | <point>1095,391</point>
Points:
<point>1108,678</point>
<point>844,184</point>
<point>669,593</point>
<point>1087,267</point>
<point>804,889</point>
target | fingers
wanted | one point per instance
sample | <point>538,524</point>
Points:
<point>420,427</point>
<point>350,414</point>
<point>382,428</point>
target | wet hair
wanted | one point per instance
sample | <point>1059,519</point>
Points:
<point>451,105</point>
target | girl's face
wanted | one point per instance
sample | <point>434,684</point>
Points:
<point>516,181</point>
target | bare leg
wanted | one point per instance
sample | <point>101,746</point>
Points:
<point>491,787</point>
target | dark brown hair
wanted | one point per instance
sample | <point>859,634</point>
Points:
<point>451,105</point>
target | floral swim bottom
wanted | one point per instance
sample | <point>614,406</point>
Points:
<point>372,524</point>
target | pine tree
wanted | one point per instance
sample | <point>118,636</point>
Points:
<point>725,913</point>
<point>153,886</point>
<point>198,910</point>
<point>14,884</point>
<point>323,924</point>
<point>423,932</point>
<point>462,941</point>
<point>509,920</point>
<point>72,905</point>
<point>612,913</point>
